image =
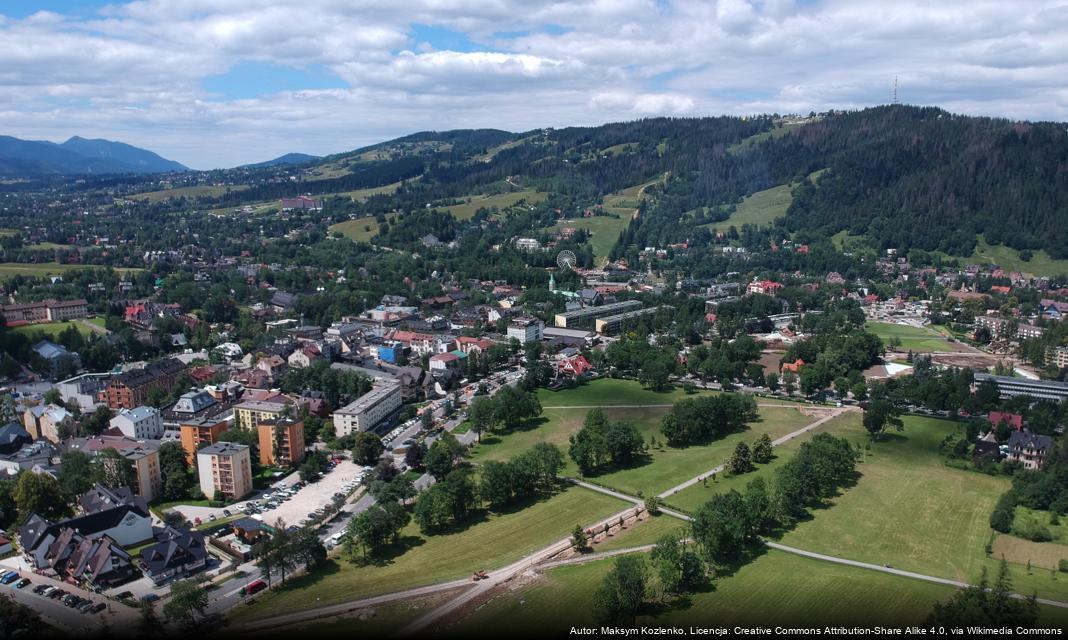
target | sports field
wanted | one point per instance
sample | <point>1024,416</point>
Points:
<point>912,338</point>
<point>53,329</point>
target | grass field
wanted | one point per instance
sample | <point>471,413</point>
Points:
<point>363,194</point>
<point>771,134</point>
<point>691,498</point>
<point>43,269</point>
<point>53,329</point>
<point>493,542</point>
<point>1009,260</point>
<point>775,589</point>
<point>912,338</point>
<point>609,391</point>
<point>199,191</point>
<point>667,466</point>
<point>604,231</point>
<point>359,230</point>
<point>760,208</point>
<point>501,201</point>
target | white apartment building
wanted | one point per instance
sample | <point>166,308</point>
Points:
<point>139,423</point>
<point>526,329</point>
<point>370,409</point>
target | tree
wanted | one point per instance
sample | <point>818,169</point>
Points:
<point>762,450</point>
<point>623,591</point>
<point>495,483</point>
<point>378,526</point>
<point>415,455</point>
<point>367,449</point>
<point>677,567</point>
<point>772,382</point>
<point>880,415</point>
<point>174,469</point>
<point>741,460</point>
<point>113,470</point>
<point>986,605</point>
<point>39,493</point>
<point>721,527</point>
<point>438,460</point>
<point>579,539</point>
<point>481,415</point>
<point>98,421</point>
<point>76,473</point>
<point>188,601</point>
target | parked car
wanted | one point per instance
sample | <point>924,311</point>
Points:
<point>40,589</point>
<point>226,512</point>
<point>57,594</point>
<point>9,577</point>
<point>98,607</point>
<point>22,583</point>
<point>86,606</point>
<point>149,597</point>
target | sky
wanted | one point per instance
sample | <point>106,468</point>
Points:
<point>217,83</point>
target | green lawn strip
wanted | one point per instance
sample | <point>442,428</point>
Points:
<point>774,589</point>
<point>360,229</point>
<point>691,498</point>
<point>493,542</point>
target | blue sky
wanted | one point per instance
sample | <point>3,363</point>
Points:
<point>224,82</point>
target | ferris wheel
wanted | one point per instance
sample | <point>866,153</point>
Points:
<point>566,260</point>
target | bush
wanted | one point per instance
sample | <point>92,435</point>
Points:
<point>1062,565</point>
<point>1001,520</point>
<point>1029,528</point>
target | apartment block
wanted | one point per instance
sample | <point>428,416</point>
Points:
<point>226,468</point>
<point>281,442</point>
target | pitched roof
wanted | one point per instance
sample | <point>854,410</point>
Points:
<point>176,548</point>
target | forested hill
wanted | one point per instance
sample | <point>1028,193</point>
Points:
<point>896,176</point>
<point>901,176</point>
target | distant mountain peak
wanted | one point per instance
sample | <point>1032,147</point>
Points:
<point>78,156</point>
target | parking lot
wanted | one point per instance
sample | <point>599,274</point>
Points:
<point>313,495</point>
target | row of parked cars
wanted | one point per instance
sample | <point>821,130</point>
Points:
<point>71,600</point>
<point>269,501</point>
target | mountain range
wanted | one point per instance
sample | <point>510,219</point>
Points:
<point>77,156</point>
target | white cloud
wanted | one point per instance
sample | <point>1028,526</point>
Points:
<point>136,71</point>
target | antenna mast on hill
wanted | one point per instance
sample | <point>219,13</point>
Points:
<point>894,96</point>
